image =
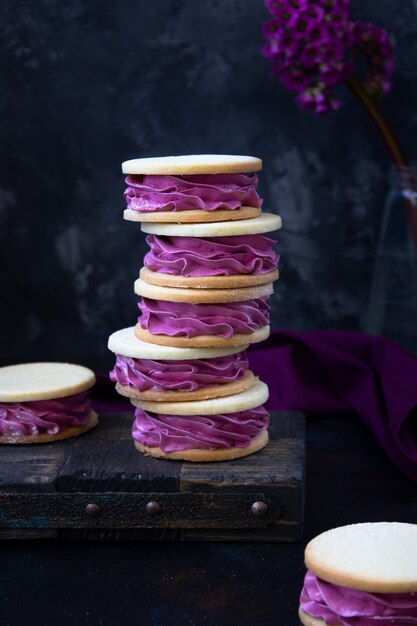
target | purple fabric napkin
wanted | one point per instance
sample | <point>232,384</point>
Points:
<point>321,372</point>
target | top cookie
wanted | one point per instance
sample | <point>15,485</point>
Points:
<point>373,557</point>
<point>188,164</point>
<point>43,381</point>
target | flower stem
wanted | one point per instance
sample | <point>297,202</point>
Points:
<point>397,153</point>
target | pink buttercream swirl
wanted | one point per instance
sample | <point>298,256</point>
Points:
<point>349,607</point>
<point>175,432</point>
<point>181,319</point>
<point>185,193</point>
<point>217,256</point>
<point>187,375</point>
<point>44,416</point>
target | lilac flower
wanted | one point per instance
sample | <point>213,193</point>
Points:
<point>313,44</point>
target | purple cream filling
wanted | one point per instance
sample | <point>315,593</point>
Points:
<point>175,432</point>
<point>186,193</point>
<point>187,375</point>
<point>348,607</point>
<point>181,319</point>
<point>44,416</point>
<point>217,256</point>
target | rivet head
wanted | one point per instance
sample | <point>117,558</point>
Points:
<point>92,510</point>
<point>259,509</point>
<point>153,509</point>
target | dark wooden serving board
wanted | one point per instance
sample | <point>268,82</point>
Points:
<point>45,489</point>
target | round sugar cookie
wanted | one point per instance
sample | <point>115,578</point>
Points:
<point>43,381</point>
<point>265,223</point>
<point>216,391</point>
<point>255,396</point>
<point>373,557</point>
<point>207,282</point>
<point>126,343</point>
<point>199,455</point>
<point>189,164</point>
<point>66,433</point>
<point>193,216</point>
<point>201,296</point>
<point>203,341</point>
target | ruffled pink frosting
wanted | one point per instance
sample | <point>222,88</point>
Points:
<point>174,432</point>
<point>348,607</point>
<point>185,193</point>
<point>217,256</point>
<point>181,319</point>
<point>187,375</point>
<point>44,416</point>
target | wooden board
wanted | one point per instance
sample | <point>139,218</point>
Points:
<point>45,489</point>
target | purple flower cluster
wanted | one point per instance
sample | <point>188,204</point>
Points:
<point>313,44</point>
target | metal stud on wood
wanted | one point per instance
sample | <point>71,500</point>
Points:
<point>259,509</point>
<point>92,510</point>
<point>153,509</point>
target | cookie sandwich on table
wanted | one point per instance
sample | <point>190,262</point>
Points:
<point>45,402</point>
<point>203,298</point>
<point>361,575</point>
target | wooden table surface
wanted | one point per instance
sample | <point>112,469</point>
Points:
<point>349,479</point>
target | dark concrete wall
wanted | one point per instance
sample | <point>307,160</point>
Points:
<point>85,85</point>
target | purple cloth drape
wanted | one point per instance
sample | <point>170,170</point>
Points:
<point>320,372</point>
<point>330,372</point>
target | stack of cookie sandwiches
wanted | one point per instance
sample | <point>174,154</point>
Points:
<point>203,293</point>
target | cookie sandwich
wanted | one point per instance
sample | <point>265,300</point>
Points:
<point>202,318</point>
<point>45,402</point>
<point>361,575</point>
<point>217,429</point>
<point>217,255</point>
<point>192,188</point>
<point>150,372</point>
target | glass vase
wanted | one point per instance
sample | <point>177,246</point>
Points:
<point>392,306</point>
